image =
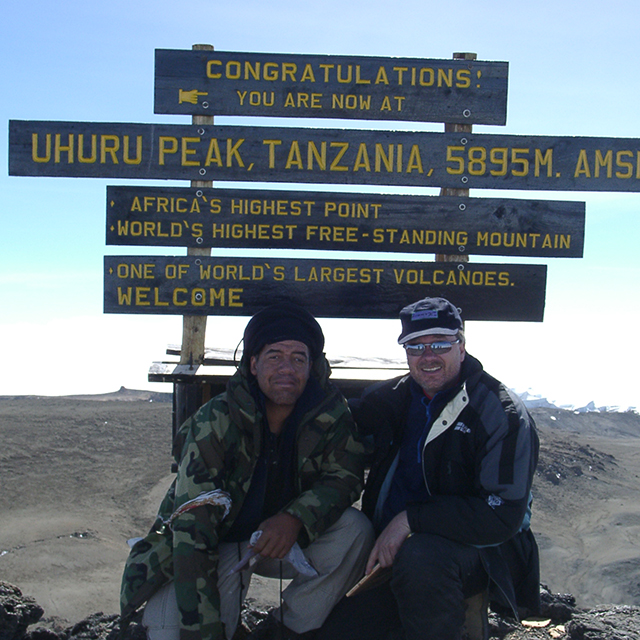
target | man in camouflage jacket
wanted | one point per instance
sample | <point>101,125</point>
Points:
<point>279,412</point>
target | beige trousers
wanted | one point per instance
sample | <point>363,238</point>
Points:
<point>339,556</point>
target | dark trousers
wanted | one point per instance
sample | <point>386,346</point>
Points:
<point>423,600</point>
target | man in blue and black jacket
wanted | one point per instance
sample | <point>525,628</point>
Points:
<point>448,492</point>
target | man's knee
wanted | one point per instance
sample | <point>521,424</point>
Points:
<point>353,520</point>
<point>431,563</point>
<point>352,528</point>
<point>349,540</point>
<point>161,616</point>
<point>422,554</point>
<point>426,558</point>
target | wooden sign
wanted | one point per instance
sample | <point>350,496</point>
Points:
<point>321,86</point>
<point>337,156</point>
<point>235,218</point>
<point>327,288</point>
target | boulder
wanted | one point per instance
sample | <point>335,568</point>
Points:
<point>17,612</point>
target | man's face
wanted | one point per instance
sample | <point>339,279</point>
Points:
<point>436,372</point>
<point>282,370</point>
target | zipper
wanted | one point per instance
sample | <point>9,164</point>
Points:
<point>445,420</point>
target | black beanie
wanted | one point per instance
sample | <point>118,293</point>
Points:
<point>282,321</point>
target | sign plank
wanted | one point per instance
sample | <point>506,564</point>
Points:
<point>336,156</point>
<point>322,86</point>
<point>327,288</point>
<point>237,218</point>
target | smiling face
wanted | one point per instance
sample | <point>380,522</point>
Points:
<point>436,373</point>
<point>282,370</point>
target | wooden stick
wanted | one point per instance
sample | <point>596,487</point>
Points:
<point>194,327</point>
<point>448,191</point>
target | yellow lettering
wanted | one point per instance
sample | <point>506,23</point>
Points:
<point>232,152</point>
<point>270,71</point>
<point>127,159</point>
<point>415,160</point>
<point>400,71</point>
<point>210,65</point>
<point>381,76</point>
<point>213,154</point>
<point>582,166</point>
<point>307,74</point>
<point>628,165</point>
<point>34,148</point>
<point>360,80</point>
<point>540,160</point>
<point>445,77</point>
<point>343,147</point>
<point>289,71</point>
<point>463,78</point>
<point>254,72</point>
<point>166,145</point>
<point>606,161</point>
<point>427,77</point>
<point>382,158</point>
<point>294,157</point>
<point>346,80</point>
<point>320,156</point>
<point>272,151</point>
<point>94,153</point>
<point>326,68</point>
<point>58,148</point>
<point>362,159</point>
<point>186,152</point>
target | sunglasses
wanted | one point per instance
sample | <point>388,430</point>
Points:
<point>437,348</point>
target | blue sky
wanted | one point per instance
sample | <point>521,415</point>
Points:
<point>572,71</point>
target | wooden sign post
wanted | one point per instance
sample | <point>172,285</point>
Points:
<point>456,127</point>
<point>188,396</point>
<point>340,221</point>
<point>327,288</point>
<point>325,156</point>
<point>203,82</point>
<point>322,86</point>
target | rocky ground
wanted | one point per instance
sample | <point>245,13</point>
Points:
<point>21,619</point>
<point>79,477</point>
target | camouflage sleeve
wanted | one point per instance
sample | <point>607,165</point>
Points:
<point>331,475</point>
<point>195,532</point>
<point>147,569</point>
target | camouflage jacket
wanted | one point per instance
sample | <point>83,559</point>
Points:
<point>217,448</point>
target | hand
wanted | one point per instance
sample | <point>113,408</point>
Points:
<point>389,542</point>
<point>279,534</point>
<point>190,96</point>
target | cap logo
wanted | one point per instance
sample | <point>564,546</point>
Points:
<point>426,313</point>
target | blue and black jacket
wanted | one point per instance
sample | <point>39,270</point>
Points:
<point>478,461</point>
